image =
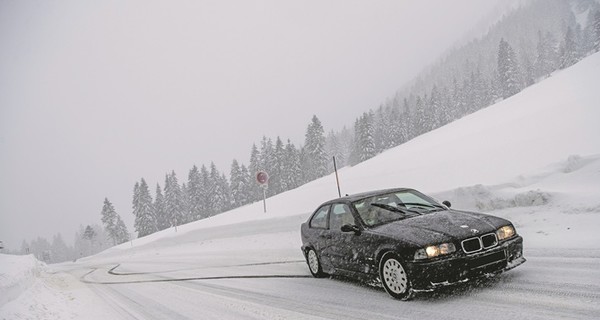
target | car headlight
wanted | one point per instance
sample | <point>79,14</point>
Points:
<point>434,251</point>
<point>505,232</point>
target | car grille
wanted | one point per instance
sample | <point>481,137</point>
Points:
<point>476,244</point>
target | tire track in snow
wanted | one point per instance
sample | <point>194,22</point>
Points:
<point>85,279</point>
<point>113,272</point>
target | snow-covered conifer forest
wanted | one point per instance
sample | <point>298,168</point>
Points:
<point>493,67</point>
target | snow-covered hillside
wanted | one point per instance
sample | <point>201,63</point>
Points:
<point>533,158</point>
<point>552,128</point>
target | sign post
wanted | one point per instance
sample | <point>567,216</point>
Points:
<point>263,180</point>
<point>337,179</point>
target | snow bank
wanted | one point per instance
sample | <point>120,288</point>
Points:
<point>575,181</point>
<point>17,274</point>
<point>29,289</point>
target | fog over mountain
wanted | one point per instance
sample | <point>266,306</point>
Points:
<point>94,96</point>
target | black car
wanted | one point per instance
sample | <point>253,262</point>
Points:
<point>407,241</point>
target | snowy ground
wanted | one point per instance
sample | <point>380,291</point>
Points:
<point>533,158</point>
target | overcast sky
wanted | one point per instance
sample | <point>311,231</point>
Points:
<point>95,95</point>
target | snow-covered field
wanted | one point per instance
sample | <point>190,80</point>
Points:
<point>533,158</point>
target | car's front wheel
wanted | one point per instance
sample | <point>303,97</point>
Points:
<point>394,277</point>
<point>314,264</point>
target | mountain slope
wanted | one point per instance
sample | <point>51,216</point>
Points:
<point>541,126</point>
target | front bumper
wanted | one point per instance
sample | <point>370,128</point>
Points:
<point>429,275</point>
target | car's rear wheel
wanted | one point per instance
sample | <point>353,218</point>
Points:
<point>394,277</point>
<point>314,264</point>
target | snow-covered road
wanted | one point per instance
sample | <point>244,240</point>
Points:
<point>554,283</point>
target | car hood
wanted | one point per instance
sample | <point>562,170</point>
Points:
<point>439,227</point>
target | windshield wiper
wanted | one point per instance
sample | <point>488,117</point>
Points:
<point>394,209</point>
<point>434,206</point>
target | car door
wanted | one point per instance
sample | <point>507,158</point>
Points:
<point>319,229</point>
<point>344,247</point>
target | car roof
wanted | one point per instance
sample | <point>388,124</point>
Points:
<point>363,195</point>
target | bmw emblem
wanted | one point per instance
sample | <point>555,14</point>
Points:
<point>475,231</point>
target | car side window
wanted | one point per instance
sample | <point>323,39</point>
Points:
<point>319,219</point>
<point>340,215</point>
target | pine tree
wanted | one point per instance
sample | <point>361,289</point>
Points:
<point>40,247</point>
<point>145,220</point>
<point>546,55</point>
<point>381,129</point>
<point>305,165</point>
<point>244,187</point>
<point>226,190</point>
<point>434,115</point>
<point>185,203</point>
<point>528,70</point>
<point>508,70</point>
<point>334,149</point>
<point>292,169</point>
<point>265,162</point>
<point>60,250</point>
<point>395,127</point>
<point>195,194</point>
<point>109,219</point>
<point>25,248</point>
<point>121,233</point>
<point>89,233</point>
<point>444,112</point>
<point>407,129</point>
<point>314,146</point>
<point>364,142</point>
<point>479,96</point>
<point>276,182</point>
<point>174,201</point>
<point>254,167</point>
<point>160,212</point>
<point>568,50</point>
<point>204,191</point>
<point>235,183</point>
<point>420,117</point>
<point>218,191</point>
<point>595,26</point>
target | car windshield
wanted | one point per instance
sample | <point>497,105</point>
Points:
<point>388,207</point>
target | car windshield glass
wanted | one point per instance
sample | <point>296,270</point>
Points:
<point>388,207</point>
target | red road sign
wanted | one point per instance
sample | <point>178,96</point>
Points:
<point>262,177</point>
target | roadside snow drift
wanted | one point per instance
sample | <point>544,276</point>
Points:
<point>17,274</point>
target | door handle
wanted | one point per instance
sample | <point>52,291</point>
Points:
<point>326,236</point>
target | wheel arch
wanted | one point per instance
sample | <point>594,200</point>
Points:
<point>405,254</point>
<point>307,247</point>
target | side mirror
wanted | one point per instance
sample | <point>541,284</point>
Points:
<point>447,203</point>
<point>350,228</point>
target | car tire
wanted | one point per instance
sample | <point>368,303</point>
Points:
<point>314,264</point>
<point>394,277</point>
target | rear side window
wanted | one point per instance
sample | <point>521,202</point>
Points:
<point>319,219</point>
